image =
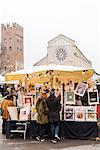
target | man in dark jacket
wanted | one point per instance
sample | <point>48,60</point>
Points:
<point>54,107</point>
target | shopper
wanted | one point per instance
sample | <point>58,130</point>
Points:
<point>54,107</point>
<point>7,102</point>
<point>42,118</point>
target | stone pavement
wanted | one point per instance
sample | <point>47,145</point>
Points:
<point>31,144</point>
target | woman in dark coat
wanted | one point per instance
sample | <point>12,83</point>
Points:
<point>54,107</point>
<point>42,118</point>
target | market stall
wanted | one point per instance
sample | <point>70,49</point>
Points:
<point>70,82</point>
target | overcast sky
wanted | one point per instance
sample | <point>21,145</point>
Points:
<point>45,19</point>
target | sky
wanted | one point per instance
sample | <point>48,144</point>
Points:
<point>43,20</point>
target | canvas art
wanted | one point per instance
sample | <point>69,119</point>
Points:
<point>13,112</point>
<point>79,113</point>
<point>93,97</point>
<point>80,89</point>
<point>91,113</point>
<point>69,97</point>
<point>69,113</point>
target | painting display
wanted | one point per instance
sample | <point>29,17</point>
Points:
<point>79,113</point>
<point>80,89</point>
<point>93,97</point>
<point>13,112</point>
<point>69,97</point>
<point>24,114</point>
<point>91,113</point>
<point>69,113</point>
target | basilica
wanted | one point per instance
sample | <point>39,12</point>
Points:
<point>62,50</point>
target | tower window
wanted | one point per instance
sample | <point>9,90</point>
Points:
<point>10,48</point>
<point>17,49</point>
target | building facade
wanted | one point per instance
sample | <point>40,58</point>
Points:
<point>62,51</point>
<point>12,49</point>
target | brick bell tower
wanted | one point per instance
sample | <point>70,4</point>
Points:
<point>12,49</point>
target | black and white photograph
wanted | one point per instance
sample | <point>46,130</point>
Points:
<point>93,97</point>
<point>80,89</point>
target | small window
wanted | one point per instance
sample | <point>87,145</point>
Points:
<point>10,48</point>
<point>17,49</point>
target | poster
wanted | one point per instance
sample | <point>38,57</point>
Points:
<point>69,97</point>
<point>93,97</point>
<point>91,113</point>
<point>13,113</point>
<point>24,114</point>
<point>80,89</point>
<point>79,113</point>
<point>69,113</point>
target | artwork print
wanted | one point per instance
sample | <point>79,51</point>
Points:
<point>91,113</point>
<point>80,89</point>
<point>69,97</point>
<point>79,113</point>
<point>93,97</point>
<point>69,113</point>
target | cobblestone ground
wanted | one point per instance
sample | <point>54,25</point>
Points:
<point>31,144</point>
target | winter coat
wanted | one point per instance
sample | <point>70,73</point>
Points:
<point>42,111</point>
<point>5,104</point>
<point>54,107</point>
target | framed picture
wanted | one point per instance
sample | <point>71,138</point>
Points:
<point>93,97</point>
<point>24,114</point>
<point>79,113</point>
<point>69,97</point>
<point>91,113</point>
<point>81,88</point>
<point>28,100</point>
<point>69,113</point>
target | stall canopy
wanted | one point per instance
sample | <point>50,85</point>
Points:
<point>41,73</point>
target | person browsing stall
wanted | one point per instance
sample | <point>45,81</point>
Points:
<point>54,107</point>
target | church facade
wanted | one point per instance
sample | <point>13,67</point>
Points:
<point>62,50</point>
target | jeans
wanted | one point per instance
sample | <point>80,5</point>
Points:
<point>4,126</point>
<point>54,128</point>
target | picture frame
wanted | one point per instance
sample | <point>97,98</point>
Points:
<point>28,100</point>
<point>81,88</point>
<point>80,113</point>
<point>69,112</point>
<point>93,97</point>
<point>24,114</point>
<point>91,113</point>
<point>69,97</point>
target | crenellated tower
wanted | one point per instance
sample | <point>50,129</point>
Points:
<point>12,48</point>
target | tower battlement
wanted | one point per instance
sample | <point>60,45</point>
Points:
<point>12,26</point>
